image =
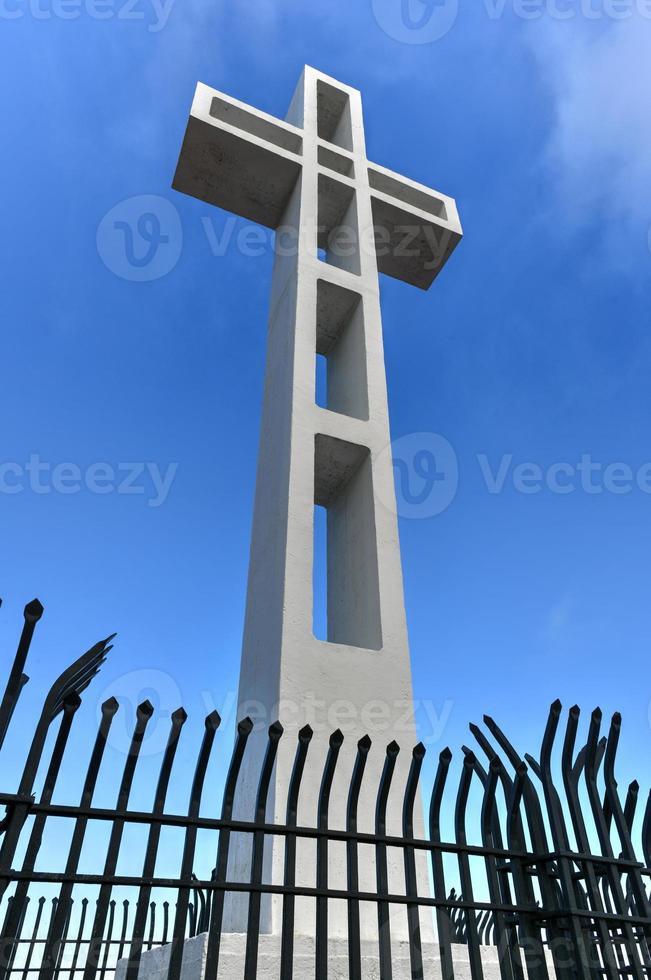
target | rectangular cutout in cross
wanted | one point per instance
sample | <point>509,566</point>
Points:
<point>255,124</point>
<point>336,161</point>
<point>424,200</point>
<point>321,381</point>
<point>338,225</point>
<point>333,115</point>
<point>341,344</point>
<point>320,575</point>
<point>343,485</point>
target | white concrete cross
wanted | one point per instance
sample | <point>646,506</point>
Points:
<point>340,219</point>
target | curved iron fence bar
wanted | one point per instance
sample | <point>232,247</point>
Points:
<point>352,869</point>
<point>623,823</point>
<point>533,811</point>
<point>630,806</point>
<point>530,929</point>
<point>291,819</point>
<point>10,928</point>
<point>79,937</point>
<point>257,856</point>
<point>570,886</point>
<point>646,832</point>
<point>166,918</point>
<point>211,724</point>
<point>505,889</point>
<point>409,855</point>
<point>323,807</point>
<point>443,918</point>
<point>152,925</point>
<point>572,771</point>
<point>506,937</point>
<point>74,679</point>
<point>491,754</point>
<point>200,907</point>
<point>537,831</point>
<point>461,805</point>
<point>17,679</point>
<point>635,951</point>
<point>123,930</point>
<point>381,867</point>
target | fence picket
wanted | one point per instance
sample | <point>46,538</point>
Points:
<point>211,725</point>
<point>352,860</point>
<point>289,900</point>
<point>381,867</point>
<point>411,879</point>
<point>17,679</point>
<point>323,806</point>
<point>257,854</point>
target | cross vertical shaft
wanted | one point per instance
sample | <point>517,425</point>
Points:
<point>338,220</point>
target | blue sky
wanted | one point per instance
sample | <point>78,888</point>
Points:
<point>533,346</point>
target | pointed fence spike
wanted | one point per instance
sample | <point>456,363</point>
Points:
<point>245,727</point>
<point>72,702</point>
<point>336,739</point>
<point>145,710</point>
<point>33,611</point>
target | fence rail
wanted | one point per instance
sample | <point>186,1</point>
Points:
<point>560,888</point>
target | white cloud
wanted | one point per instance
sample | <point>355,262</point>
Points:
<point>599,150</point>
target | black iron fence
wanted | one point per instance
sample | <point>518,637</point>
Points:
<point>553,884</point>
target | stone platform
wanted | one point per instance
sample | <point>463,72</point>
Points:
<point>231,966</point>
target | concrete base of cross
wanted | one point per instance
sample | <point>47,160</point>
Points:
<point>154,963</point>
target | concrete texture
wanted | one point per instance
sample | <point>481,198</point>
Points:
<point>310,175</point>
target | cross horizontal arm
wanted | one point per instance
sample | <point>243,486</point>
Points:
<point>416,228</point>
<point>246,161</point>
<point>238,158</point>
